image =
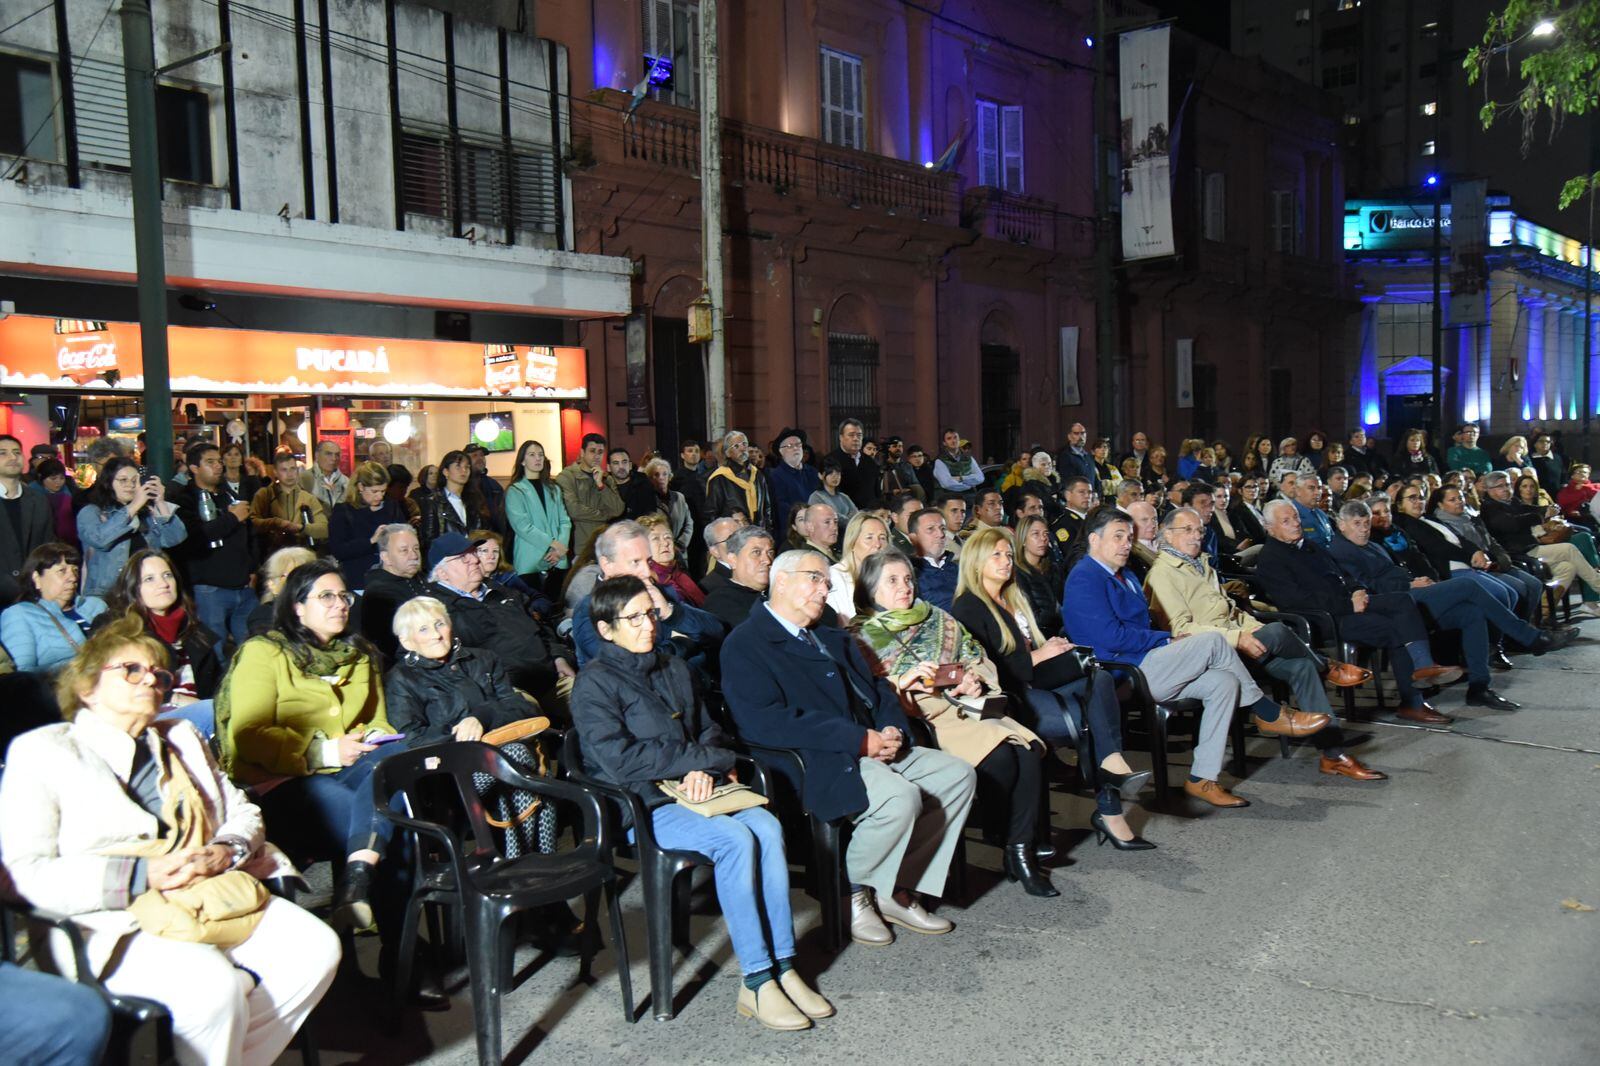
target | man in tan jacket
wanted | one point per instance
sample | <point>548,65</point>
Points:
<point>284,514</point>
<point>1187,598</point>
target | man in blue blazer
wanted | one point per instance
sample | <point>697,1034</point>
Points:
<point>1105,610</point>
<point>791,683</point>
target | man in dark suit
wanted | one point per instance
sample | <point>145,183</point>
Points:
<point>1298,573</point>
<point>27,523</point>
<point>860,470</point>
<point>804,686</point>
<point>1075,459</point>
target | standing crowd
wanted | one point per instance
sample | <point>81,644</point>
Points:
<point>206,673</point>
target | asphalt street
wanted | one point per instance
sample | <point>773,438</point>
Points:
<point>1415,920</point>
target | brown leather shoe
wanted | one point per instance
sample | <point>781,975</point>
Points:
<point>1424,715</point>
<point>1291,723</point>
<point>1437,675</point>
<point>1345,766</point>
<point>1347,675</point>
<point>1214,794</point>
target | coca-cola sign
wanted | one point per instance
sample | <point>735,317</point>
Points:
<point>86,356</point>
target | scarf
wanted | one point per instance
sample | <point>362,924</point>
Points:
<point>339,659</point>
<point>921,633</point>
<point>169,627</point>
<point>1460,524</point>
<point>752,495</point>
<point>1194,564</point>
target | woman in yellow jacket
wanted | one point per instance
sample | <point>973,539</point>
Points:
<point>301,725</point>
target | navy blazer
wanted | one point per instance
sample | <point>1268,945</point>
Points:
<point>783,693</point>
<point>1109,616</point>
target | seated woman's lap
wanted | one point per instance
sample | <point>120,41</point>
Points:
<point>721,838</point>
<point>327,816</point>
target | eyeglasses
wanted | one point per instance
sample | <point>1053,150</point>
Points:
<point>328,597</point>
<point>637,618</point>
<point>817,577</point>
<point>134,673</point>
<point>1185,529</point>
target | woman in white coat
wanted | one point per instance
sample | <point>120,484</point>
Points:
<point>115,818</point>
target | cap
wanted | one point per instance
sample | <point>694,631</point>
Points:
<point>448,546</point>
<point>892,440</point>
<point>474,446</point>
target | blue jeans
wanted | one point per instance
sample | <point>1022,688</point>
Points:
<point>199,714</point>
<point>328,816</point>
<point>1465,606</point>
<point>225,611</point>
<point>1501,590</point>
<point>50,1021</point>
<point>752,874</point>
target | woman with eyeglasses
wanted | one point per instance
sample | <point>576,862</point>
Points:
<point>642,721</point>
<point>1458,545</point>
<point>124,514</point>
<point>123,822</point>
<point>1245,514</point>
<point>297,717</point>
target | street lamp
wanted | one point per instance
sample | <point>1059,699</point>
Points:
<point>1543,28</point>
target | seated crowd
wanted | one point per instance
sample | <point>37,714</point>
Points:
<point>217,667</point>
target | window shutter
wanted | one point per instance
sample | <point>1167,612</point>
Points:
<point>988,144</point>
<point>841,104</point>
<point>102,103</point>
<point>1011,147</point>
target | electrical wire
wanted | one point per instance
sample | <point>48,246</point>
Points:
<point>36,11</point>
<point>51,115</point>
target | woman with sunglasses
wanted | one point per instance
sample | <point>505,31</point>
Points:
<point>297,717</point>
<point>121,821</point>
<point>642,721</point>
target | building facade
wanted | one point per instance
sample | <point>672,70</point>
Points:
<point>382,183</point>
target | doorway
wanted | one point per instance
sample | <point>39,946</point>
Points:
<point>680,386</point>
<point>1001,372</point>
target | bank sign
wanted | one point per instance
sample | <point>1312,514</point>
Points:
<point>1376,227</point>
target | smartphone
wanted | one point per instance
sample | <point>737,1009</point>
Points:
<point>949,675</point>
<point>385,738</point>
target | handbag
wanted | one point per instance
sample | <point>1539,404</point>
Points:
<point>221,910</point>
<point>521,729</point>
<point>725,799</point>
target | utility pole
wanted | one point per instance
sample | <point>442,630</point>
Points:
<point>711,217</point>
<point>139,62</point>
<point>1437,182</point>
<point>1105,320</point>
<point>1588,291</point>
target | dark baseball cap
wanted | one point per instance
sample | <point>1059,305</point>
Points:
<point>448,546</point>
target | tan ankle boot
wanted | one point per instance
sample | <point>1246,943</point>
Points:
<point>769,1006</point>
<point>802,995</point>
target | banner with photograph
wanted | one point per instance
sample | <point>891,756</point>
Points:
<point>1070,394</point>
<point>1146,154</point>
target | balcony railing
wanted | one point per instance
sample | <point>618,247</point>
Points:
<point>1009,217</point>
<point>753,157</point>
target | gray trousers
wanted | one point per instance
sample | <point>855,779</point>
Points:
<point>916,810</point>
<point>1203,667</point>
<point>1296,666</point>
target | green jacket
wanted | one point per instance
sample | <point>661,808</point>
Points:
<point>269,712</point>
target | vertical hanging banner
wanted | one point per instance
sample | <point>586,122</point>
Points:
<point>1070,395</point>
<point>638,363</point>
<point>1469,254</point>
<point>1183,371</point>
<point>1146,157</point>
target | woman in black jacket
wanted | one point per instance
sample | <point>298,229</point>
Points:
<point>642,722</point>
<point>1038,574</point>
<point>1043,679</point>
<point>438,690</point>
<point>149,587</point>
<point>353,527</point>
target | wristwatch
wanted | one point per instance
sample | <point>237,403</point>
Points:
<point>240,849</point>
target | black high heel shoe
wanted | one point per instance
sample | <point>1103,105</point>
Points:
<point>1017,862</point>
<point>1102,834</point>
<point>1128,785</point>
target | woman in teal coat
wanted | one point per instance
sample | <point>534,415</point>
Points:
<point>539,519</point>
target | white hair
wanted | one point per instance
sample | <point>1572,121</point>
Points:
<point>608,543</point>
<point>415,610</point>
<point>790,561</point>
<point>1271,508</point>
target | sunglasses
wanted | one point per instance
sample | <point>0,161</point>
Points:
<point>134,674</point>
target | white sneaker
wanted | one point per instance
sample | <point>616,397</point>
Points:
<point>1592,609</point>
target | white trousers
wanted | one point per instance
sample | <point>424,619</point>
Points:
<point>221,1016</point>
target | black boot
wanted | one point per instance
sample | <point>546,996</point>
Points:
<point>1017,861</point>
<point>426,991</point>
<point>1044,848</point>
<point>352,900</point>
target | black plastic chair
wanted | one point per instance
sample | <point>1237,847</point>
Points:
<point>465,868</point>
<point>666,898</point>
<point>1158,717</point>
